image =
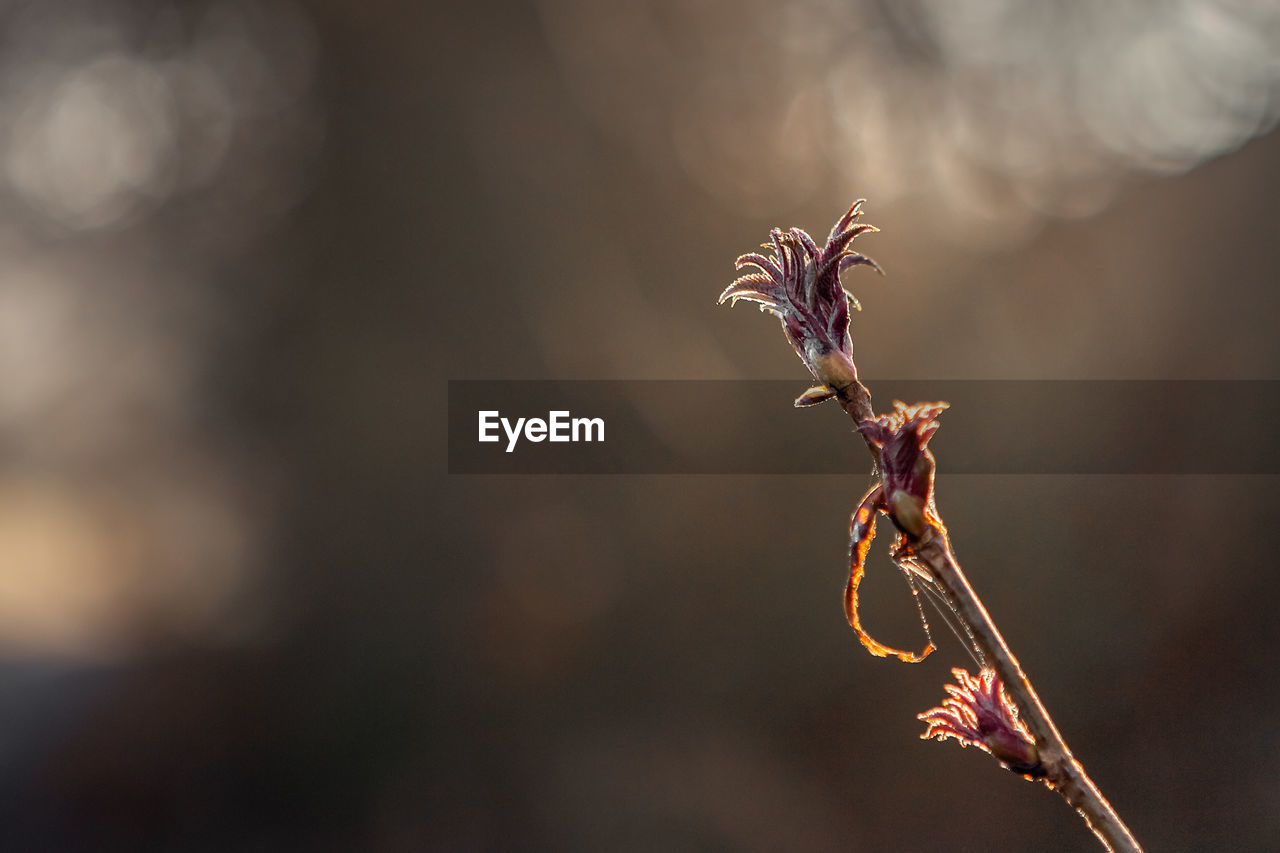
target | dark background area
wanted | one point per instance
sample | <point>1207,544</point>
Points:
<point>245,245</point>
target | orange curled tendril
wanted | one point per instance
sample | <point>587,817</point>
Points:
<point>862,530</point>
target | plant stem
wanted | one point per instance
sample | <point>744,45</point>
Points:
<point>1063,772</point>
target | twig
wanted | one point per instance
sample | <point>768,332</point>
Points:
<point>801,286</point>
<point>1062,771</point>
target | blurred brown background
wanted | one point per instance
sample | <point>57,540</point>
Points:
<point>242,605</point>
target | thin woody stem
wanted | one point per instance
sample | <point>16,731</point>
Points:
<point>855,399</point>
<point>1062,771</point>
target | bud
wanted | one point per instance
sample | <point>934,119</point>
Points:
<point>906,464</point>
<point>977,712</point>
<point>800,285</point>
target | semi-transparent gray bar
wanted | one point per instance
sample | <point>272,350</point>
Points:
<point>750,427</point>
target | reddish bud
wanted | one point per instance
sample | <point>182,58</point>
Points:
<point>977,712</point>
<point>905,463</point>
<point>800,284</point>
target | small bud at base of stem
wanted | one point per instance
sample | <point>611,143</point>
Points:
<point>834,369</point>
<point>907,511</point>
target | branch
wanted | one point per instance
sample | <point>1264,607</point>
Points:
<point>1062,771</point>
<point>801,286</point>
